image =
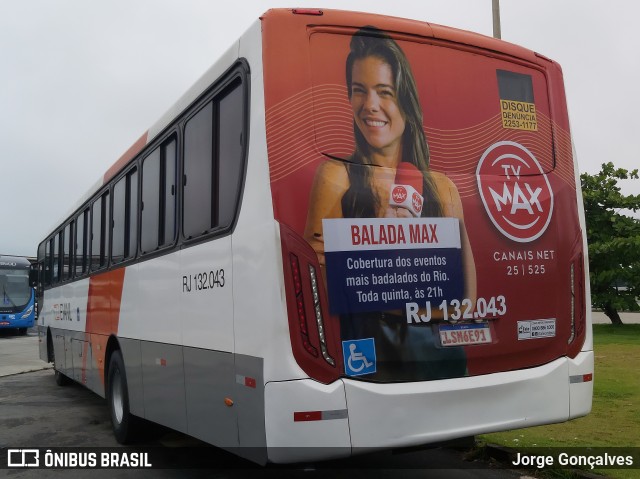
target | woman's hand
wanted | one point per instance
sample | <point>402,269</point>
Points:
<point>397,212</point>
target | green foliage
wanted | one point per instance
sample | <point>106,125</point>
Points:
<point>614,240</point>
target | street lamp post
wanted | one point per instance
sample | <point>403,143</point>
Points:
<point>496,19</point>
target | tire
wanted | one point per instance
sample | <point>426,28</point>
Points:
<point>61,379</point>
<point>126,427</point>
<point>22,331</point>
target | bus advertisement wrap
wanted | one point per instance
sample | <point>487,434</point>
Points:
<point>432,211</point>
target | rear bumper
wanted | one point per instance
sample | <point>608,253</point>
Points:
<point>356,415</point>
<point>399,415</point>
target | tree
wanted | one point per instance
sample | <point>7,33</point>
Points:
<point>614,241</point>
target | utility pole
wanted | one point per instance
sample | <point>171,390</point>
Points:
<point>496,19</point>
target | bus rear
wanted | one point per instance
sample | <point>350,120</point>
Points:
<point>17,306</point>
<point>442,295</point>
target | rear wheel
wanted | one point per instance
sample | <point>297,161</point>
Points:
<point>61,379</point>
<point>126,427</point>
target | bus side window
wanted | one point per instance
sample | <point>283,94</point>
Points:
<point>213,161</point>
<point>150,214</point>
<point>119,220</point>
<point>230,153</point>
<point>96,219</point>
<point>99,232</point>
<point>47,262</point>
<point>67,251</point>
<point>80,253</point>
<point>159,198</point>
<point>57,243</point>
<point>198,211</point>
<point>168,191</point>
<point>105,229</point>
<point>125,208</point>
<point>132,214</point>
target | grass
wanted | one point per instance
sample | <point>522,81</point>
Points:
<point>615,417</point>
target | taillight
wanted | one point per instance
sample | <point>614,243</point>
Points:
<point>302,317</point>
<point>577,303</point>
<point>314,334</point>
<point>572,276</point>
<point>317,309</point>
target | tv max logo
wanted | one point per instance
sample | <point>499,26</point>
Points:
<point>515,191</point>
<point>519,196</point>
<point>399,194</point>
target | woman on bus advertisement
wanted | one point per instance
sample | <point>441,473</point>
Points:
<point>390,162</point>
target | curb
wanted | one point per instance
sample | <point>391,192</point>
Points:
<point>25,371</point>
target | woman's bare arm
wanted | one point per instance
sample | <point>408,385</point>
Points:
<point>329,185</point>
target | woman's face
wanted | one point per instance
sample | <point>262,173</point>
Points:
<point>375,104</point>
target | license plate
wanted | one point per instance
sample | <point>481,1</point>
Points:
<point>464,334</point>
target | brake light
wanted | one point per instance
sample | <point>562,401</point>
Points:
<point>577,304</point>
<point>302,318</point>
<point>319,321</point>
<point>314,334</point>
<point>572,275</point>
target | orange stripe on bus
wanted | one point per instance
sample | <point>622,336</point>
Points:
<point>103,315</point>
<point>133,150</point>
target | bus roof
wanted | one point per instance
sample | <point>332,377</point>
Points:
<point>7,261</point>
<point>288,19</point>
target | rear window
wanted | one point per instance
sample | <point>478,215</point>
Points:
<point>468,100</point>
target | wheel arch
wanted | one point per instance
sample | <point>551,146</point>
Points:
<point>112,345</point>
<point>50,357</point>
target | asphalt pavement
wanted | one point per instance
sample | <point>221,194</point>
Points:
<point>19,354</point>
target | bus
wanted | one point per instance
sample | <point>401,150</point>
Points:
<point>353,233</point>
<point>17,310</point>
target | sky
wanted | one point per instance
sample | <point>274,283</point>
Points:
<point>81,80</point>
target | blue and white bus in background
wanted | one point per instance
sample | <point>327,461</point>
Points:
<point>17,297</point>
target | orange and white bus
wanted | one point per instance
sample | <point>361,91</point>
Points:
<point>354,231</point>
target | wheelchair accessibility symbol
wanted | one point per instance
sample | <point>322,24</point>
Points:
<point>359,356</point>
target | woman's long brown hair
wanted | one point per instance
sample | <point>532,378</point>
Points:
<point>360,201</point>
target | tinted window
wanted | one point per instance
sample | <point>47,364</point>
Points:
<point>125,219</point>
<point>104,253</point>
<point>230,154</point>
<point>119,220</point>
<point>515,86</point>
<point>150,219</point>
<point>47,262</point>
<point>81,243</point>
<point>96,233</point>
<point>198,212</point>
<point>66,252</point>
<point>99,232</point>
<point>169,192</point>
<point>56,257</point>
<point>132,217</point>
